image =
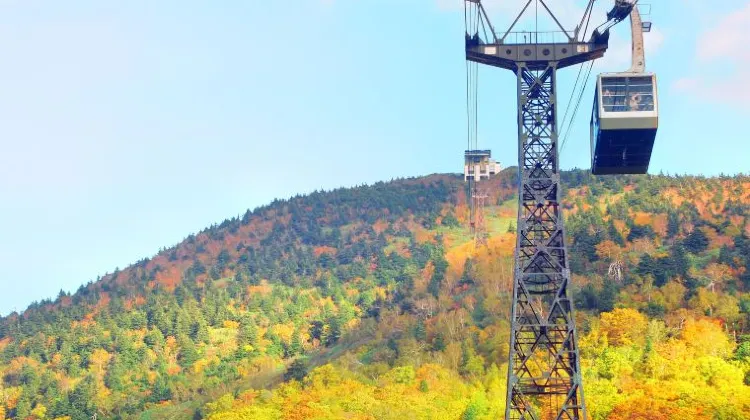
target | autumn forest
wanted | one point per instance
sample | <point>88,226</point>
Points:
<point>373,303</point>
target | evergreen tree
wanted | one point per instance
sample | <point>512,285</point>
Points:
<point>511,227</point>
<point>115,376</point>
<point>608,297</point>
<point>295,348</point>
<point>248,332</point>
<point>188,353</point>
<point>332,333</point>
<point>83,397</point>
<point>160,391</point>
<point>420,330</point>
<point>614,234</point>
<point>183,323</point>
<point>154,338</point>
<point>199,331</point>
<point>696,242</point>
<point>438,344</point>
<point>441,265</point>
<point>23,407</point>
<point>468,274</point>
<point>423,386</point>
<point>673,225</point>
<point>296,371</point>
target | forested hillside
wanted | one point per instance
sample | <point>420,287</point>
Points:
<point>372,303</point>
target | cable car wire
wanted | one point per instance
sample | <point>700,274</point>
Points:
<point>573,92</point>
<point>570,101</point>
<point>575,111</point>
<point>471,24</point>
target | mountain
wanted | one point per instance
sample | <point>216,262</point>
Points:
<point>373,303</point>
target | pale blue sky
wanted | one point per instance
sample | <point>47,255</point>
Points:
<point>125,126</point>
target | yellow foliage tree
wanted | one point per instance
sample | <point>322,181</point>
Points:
<point>284,331</point>
<point>643,407</point>
<point>624,326</point>
<point>673,293</point>
<point>231,324</point>
<point>98,362</point>
<point>707,338</point>
<point>704,301</point>
<point>39,412</point>
<point>608,250</point>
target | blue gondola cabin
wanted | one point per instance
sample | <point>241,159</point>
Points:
<point>623,123</point>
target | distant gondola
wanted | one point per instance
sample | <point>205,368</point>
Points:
<point>623,123</point>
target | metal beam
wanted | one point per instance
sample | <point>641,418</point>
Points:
<point>535,56</point>
<point>515,21</point>
<point>571,39</point>
<point>486,18</point>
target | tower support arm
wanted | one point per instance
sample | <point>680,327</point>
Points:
<point>638,64</point>
<point>534,56</point>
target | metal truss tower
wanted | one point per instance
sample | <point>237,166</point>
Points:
<point>544,373</point>
<point>478,201</point>
<point>478,168</point>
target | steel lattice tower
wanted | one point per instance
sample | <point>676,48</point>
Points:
<point>479,229</point>
<point>478,169</point>
<point>544,355</point>
<point>544,373</point>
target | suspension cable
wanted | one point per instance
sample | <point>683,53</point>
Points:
<point>567,129</point>
<point>570,101</point>
<point>575,85</point>
<point>578,104</point>
<point>472,22</point>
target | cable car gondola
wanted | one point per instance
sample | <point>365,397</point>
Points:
<point>623,123</point>
<point>626,107</point>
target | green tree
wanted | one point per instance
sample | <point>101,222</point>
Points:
<point>423,386</point>
<point>188,353</point>
<point>83,398</point>
<point>116,374</point>
<point>467,277</point>
<point>673,224</point>
<point>472,364</point>
<point>438,344</point>
<point>450,221</point>
<point>23,407</point>
<point>247,336</point>
<point>441,265</point>
<point>295,347</point>
<point>697,241</point>
<point>161,390</point>
<point>420,330</point>
<point>333,333</point>
<point>296,371</point>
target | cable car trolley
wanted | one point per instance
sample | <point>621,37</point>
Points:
<point>625,115</point>
<point>623,123</point>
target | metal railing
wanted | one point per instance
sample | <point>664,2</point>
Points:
<point>544,37</point>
